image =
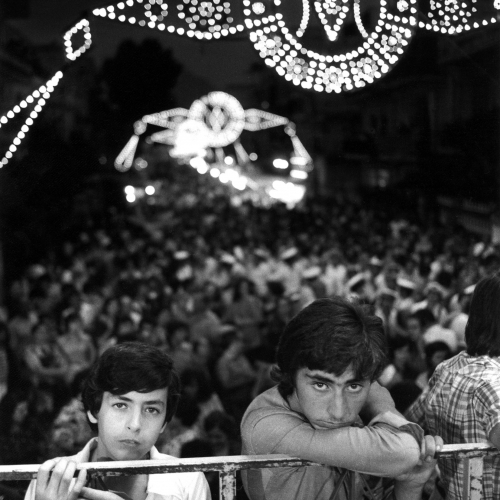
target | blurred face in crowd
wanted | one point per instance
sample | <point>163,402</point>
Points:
<point>386,303</point>
<point>401,356</point>
<point>219,441</point>
<point>413,328</point>
<point>438,357</point>
<point>433,297</point>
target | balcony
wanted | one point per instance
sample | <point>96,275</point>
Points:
<point>227,467</point>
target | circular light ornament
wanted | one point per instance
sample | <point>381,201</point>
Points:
<point>334,70</point>
<point>223,116</point>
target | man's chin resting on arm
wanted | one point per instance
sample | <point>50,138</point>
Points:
<point>327,360</point>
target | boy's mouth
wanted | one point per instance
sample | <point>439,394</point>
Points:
<point>130,442</point>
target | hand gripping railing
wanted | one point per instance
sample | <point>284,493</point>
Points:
<point>227,467</point>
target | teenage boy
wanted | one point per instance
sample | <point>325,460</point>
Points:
<point>129,397</point>
<point>328,359</point>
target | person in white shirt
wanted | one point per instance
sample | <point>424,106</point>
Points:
<point>129,397</point>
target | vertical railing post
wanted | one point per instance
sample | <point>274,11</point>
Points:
<point>227,485</point>
<point>473,478</point>
<point>353,495</point>
<point>476,478</point>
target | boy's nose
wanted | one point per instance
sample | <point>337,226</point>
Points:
<point>134,423</point>
<point>337,409</point>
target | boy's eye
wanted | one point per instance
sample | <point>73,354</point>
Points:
<point>355,387</point>
<point>155,411</point>
<point>320,386</point>
<point>120,405</point>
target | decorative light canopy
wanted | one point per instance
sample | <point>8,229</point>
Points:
<point>203,19</point>
<point>329,72</point>
<point>211,123</point>
<point>451,17</point>
<point>333,70</point>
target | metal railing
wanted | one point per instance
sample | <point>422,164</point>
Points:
<point>227,467</point>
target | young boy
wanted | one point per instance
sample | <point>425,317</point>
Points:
<point>129,397</point>
<point>328,359</point>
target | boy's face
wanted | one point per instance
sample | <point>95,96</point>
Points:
<point>129,424</point>
<point>328,401</point>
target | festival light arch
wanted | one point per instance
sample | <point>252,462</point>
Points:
<point>213,122</point>
<point>280,45</point>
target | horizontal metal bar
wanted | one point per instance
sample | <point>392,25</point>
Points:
<point>467,450</point>
<point>220,464</point>
<point>128,468</point>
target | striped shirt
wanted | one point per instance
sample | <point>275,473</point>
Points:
<point>462,405</point>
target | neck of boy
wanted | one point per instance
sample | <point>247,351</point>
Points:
<point>128,487</point>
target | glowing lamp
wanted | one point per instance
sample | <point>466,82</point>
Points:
<point>280,163</point>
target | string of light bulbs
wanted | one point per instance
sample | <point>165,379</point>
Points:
<point>203,19</point>
<point>42,94</point>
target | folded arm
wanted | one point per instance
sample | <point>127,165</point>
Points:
<point>379,450</point>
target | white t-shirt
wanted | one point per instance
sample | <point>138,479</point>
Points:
<point>168,486</point>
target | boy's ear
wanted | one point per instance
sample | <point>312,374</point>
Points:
<point>91,417</point>
<point>164,426</point>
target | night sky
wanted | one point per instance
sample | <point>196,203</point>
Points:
<point>220,63</point>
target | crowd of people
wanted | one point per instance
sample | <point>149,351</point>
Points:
<point>212,280</point>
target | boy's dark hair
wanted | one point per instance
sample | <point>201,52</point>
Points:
<point>482,332</point>
<point>330,335</point>
<point>130,366</point>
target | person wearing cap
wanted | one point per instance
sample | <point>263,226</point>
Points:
<point>373,276</point>
<point>290,270</point>
<point>385,310</point>
<point>328,359</point>
<point>335,274</point>
<point>406,289</point>
<point>388,277</point>
<point>311,287</point>
<point>246,312</point>
<point>259,268</point>
<point>462,400</point>
<point>435,294</point>
<point>457,319</point>
<point>356,286</point>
